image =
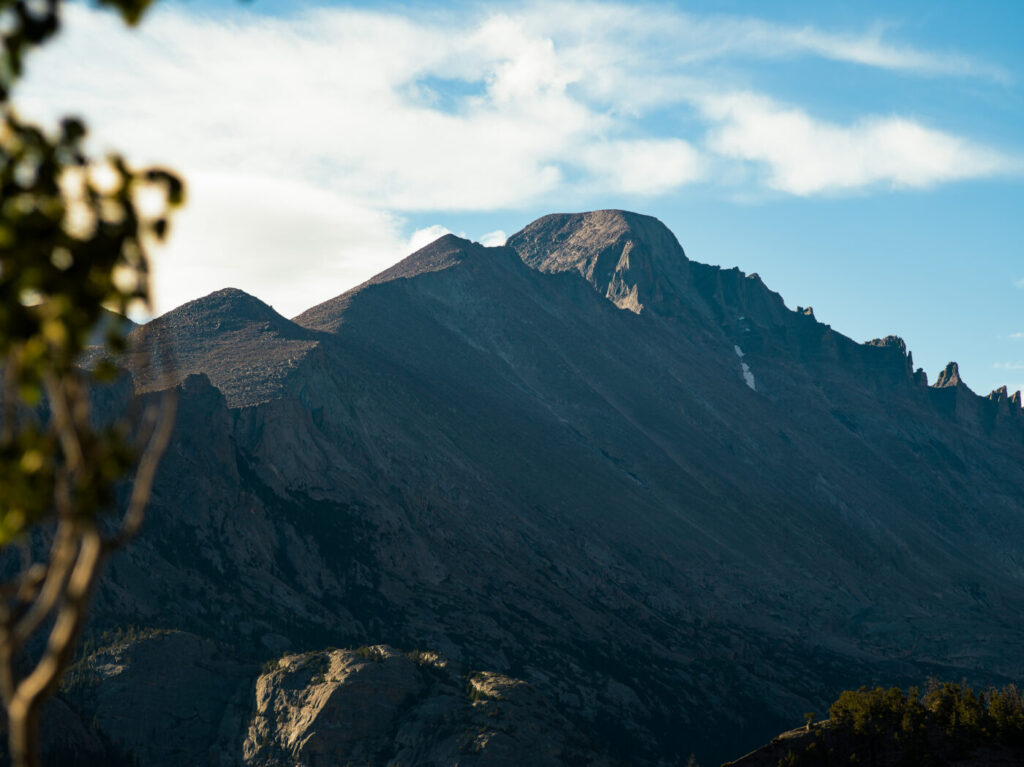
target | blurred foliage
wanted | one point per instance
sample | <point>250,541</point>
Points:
<point>73,237</point>
<point>72,249</point>
<point>27,23</point>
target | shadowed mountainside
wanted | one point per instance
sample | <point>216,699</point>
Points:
<point>681,512</point>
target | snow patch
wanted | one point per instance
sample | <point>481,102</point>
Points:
<point>748,376</point>
<point>745,369</point>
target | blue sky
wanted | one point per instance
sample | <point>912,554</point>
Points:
<point>865,158</point>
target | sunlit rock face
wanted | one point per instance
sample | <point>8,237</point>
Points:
<point>375,705</point>
<point>677,511</point>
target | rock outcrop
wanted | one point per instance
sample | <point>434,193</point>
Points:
<point>634,261</point>
<point>375,705</point>
<point>949,377</point>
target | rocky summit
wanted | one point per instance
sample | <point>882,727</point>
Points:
<point>573,500</point>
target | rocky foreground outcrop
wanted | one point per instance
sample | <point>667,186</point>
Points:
<point>168,697</point>
<point>676,509</point>
<point>375,705</point>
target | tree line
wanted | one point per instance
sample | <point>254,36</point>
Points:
<point>883,727</point>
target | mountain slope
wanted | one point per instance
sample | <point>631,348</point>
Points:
<point>681,511</point>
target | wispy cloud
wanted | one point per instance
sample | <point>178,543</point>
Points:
<point>1019,365</point>
<point>871,49</point>
<point>675,37</point>
<point>1019,283</point>
<point>1017,336</point>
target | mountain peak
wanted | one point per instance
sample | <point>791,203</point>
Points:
<point>632,259</point>
<point>999,395</point>
<point>245,347</point>
<point>889,341</point>
<point>228,307</point>
<point>443,253</point>
<point>950,376</point>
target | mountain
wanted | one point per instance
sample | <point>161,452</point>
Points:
<point>678,512</point>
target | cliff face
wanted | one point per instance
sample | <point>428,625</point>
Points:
<point>669,505</point>
<point>632,260</point>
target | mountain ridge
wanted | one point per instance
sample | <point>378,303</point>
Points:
<point>709,289</point>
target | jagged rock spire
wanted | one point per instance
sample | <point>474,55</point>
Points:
<point>998,395</point>
<point>949,377</point>
<point>895,341</point>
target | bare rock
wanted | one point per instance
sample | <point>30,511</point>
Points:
<point>949,377</point>
<point>377,706</point>
<point>633,260</point>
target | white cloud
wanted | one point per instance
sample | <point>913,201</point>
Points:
<point>423,237</point>
<point>644,166</point>
<point>332,96</point>
<point>288,243</point>
<point>1019,365</point>
<point>1017,336</point>
<point>349,101</point>
<point>1019,283</point>
<point>494,239</point>
<point>806,156</point>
